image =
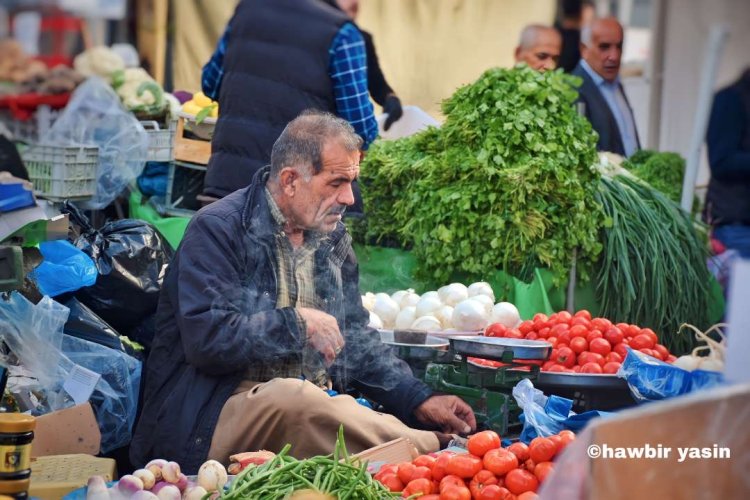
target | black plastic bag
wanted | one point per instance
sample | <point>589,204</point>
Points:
<point>131,257</point>
<point>83,323</point>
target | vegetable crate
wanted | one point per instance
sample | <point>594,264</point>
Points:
<point>160,140</point>
<point>184,185</point>
<point>62,172</point>
<point>188,147</point>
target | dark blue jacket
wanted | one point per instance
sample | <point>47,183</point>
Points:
<point>276,66</point>
<point>728,141</point>
<point>217,318</point>
<point>598,113</point>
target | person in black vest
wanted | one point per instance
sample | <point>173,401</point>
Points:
<point>728,140</point>
<point>574,14</point>
<point>602,94</point>
<point>276,59</point>
<point>380,91</point>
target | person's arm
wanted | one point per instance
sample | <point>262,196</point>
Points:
<point>213,71</point>
<point>348,70</point>
<point>727,160</point>
<point>224,324</point>
<point>376,83</point>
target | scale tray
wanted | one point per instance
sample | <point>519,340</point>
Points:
<point>495,347</point>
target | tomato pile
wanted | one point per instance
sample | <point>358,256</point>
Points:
<point>487,472</point>
<point>582,344</point>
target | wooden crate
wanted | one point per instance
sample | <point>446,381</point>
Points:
<point>191,150</point>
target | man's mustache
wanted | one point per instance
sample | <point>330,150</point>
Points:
<point>337,210</point>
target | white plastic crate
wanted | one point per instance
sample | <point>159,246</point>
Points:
<point>160,140</point>
<point>62,172</point>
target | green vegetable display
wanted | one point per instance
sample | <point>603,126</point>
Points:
<point>336,475</point>
<point>663,171</point>
<point>653,269</point>
<point>506,183</point>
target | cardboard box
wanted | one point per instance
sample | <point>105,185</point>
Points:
<point>712,424</point>
<point>392,452</point>
<point>72,430</point>
<point>55,476</point>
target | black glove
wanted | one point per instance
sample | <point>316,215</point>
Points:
<point>392,108</point>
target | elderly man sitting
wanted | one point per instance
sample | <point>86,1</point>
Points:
<point>260,311</point>
<point>539,47</point>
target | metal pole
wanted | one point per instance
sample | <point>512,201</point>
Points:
<point>714,48</point>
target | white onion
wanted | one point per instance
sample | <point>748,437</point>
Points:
<point>445,315</point>
<point>453,294</point>
<point>469,315</point>
<point>406,317</point>
<point>410,299</point>
<point>386,308</point>
<point>481,288</point>
<point>432,294</point>
<point>687,362</point>
<point>427,323</point>
<point>399,296</point>
<point>427,305</point>
<point>375,321</point>
<point>368,300</point>
<point>485,301</point>
<point>506,314</point>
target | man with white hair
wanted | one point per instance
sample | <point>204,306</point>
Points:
<point>539,46</point>
<point>602,94</point>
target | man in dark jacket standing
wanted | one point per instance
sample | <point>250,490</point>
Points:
<point>276,59</point>
<point>260,310</point>
<point>601,93</point>
<point>728,140</point>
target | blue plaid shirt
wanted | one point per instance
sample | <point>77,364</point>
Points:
<point>348,70</point>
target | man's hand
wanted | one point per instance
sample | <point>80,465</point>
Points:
<point>392,107</point>
<point>322,333</point>
<point>449,413</point>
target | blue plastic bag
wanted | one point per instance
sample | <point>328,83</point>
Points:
<point>64,269</point>
<point>547,415</point>
<point>650,379</point>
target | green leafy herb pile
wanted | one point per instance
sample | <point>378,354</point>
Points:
<point>506,183</point>
<point>663,171</point>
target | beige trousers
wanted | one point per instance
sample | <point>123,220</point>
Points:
<point>285,410</point>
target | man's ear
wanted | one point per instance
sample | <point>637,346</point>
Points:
<point>288,180</point>
<point>518,54</point>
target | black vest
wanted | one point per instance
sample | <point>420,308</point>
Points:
<point>276,66</point>
<point>728,202</point>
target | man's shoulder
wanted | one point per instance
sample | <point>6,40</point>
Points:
<point>224,212</point>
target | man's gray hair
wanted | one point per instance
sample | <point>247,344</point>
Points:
<point>529,35</point>
<point>586,34</point>
<point>301,143</point>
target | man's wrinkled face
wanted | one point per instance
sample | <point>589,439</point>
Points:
<point>321,199</point>
<point>604,52</point>
<point>545,54</point>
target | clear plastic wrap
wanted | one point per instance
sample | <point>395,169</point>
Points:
<point>95,116</point>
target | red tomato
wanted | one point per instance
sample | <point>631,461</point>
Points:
<point>590,357</point>
<point>420,486</point>
<point>542,449</point>
<point>559,329</point>
<point>578,345</point>
<point>600,346</point>
<point>671,358</point>
<point>591,367</point>
<point>547,365</point>
<point>642,342</point>
<point>520,450</point>
<point>526,326</point>
<point>533,335</point>
<point>651,334</point>
<point>557,440</point>
<point>494,492</point>
<point>564,338</point>
<point>566,437</point>
<point>566,357</point>
<point>663,351</point>
<point>633,330</point>
<point>564,317</point>
<point>520,481</point>
<point>611,367</point>
<point>621,349</point>
<point>541,317</point>
<point>481,480</point>
<point>578,331</point>
<point>421,472</point>
<point>386,469</point>
<point>555,368</point>
<point>482,442</point>
<point>648,352</point>
<point>552,341</point>
<point>514,334</point>
<point>433,496</point>
<point>406,472</point>
<point>542,469</point>
<point>529,465</point>
<point>424,461</point>
<point>464,466</point>
<point>594,334</point>
<point>528,495</point>
<point>576,369</point>
<point>451,480</point>
<point>441,462</point>
<point>495,330</point>
<point>500,461</point>
<point>613,357</point>
<point>392,482</point>
<point>454,492</point>
<point>623,327</point>
<point>580,320</point>
<point>613,335</point>
<point>583,313</point>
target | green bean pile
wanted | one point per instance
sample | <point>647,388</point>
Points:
<point>335,475</point>
<point>653,268</point>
